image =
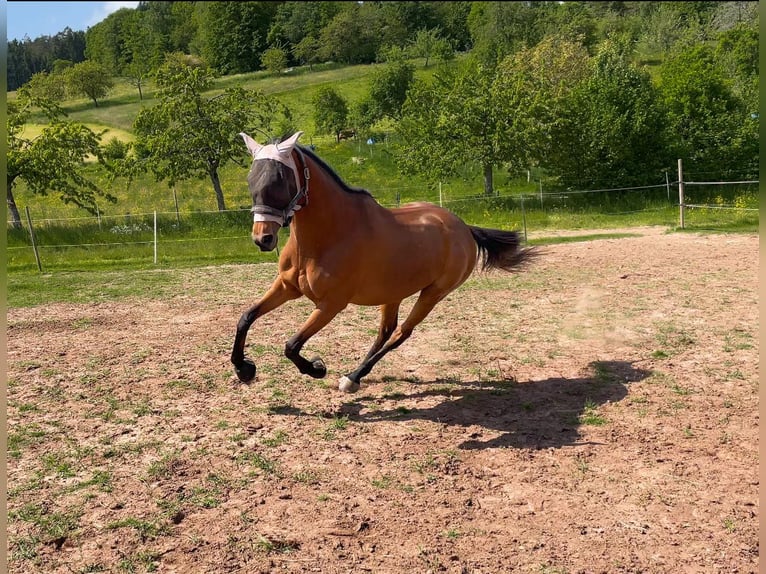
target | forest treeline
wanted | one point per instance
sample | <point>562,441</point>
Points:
<point>233,37</point>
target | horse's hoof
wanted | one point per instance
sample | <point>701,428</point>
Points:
<point>318,368</point>
<point>246,371</point>
<point>346,385</point>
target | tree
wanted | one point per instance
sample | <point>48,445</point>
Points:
<point>55,160</point>
<point>388,87</point>
<point>712,130</point>
<point>233,34</point>
<point>610,127</point>
<point>429,43</point>
<point>330,111</point>
<point>187,134</point>
<point>90,79</point>
<point>274,59</point>
<point>106,43</point>
<point>501,28</point>
<point>451,122</point>
<point>43,85</point>
<point>351,36</point>
<point>307,51</point>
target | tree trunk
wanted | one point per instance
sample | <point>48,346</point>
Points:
<point>140,93</point>
<point>13,210</point>
<point>218,191</point>
<point>488,190</point>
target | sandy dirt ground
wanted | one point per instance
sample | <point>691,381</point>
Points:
<point>596,413</point>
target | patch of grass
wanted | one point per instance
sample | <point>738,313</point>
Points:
<point>590,415</point>
<point>383,482</point>
<point>452,534</point>
<point>146,529</point>
<point>578,238</point>
<point>22,437</point>
<point>266,465</point>
<point>330,431</point>
<point>306,476</point>
<point>279,437</point>
<point>166,467</point>
<point>49,526</point>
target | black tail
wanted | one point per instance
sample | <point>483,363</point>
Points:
<point>501,249</point>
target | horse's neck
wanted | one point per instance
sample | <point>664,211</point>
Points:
<point>328,211</point>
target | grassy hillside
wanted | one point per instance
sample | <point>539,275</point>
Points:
<point>369,166</point>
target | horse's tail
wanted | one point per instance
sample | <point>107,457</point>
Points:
<point>501,249</point>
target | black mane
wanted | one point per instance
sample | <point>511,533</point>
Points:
<point>346,187</point>
<point>323,164</point>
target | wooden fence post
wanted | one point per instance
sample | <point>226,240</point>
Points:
<point>681,191</point>
<point>155,238</point>
<point>524,218</point>
<point>34,243</point>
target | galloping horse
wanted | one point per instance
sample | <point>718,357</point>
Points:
<point>344,247</point>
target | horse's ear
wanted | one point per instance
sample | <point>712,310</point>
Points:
<point>252,145</point>
<point>289,143</point>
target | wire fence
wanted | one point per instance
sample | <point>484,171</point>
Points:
<point>199,237</point>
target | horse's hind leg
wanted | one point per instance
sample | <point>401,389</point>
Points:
<point>389,317</point>
<point>427,300</point>
<point>317,321</point>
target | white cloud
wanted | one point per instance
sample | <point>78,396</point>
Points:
<point>105,8</point>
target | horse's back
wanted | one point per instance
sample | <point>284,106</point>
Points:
<point>409,248</point>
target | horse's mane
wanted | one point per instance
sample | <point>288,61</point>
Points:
<point>331,172</point>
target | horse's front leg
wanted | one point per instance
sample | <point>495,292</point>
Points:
<point>278,293</point>
<point>318,320</point>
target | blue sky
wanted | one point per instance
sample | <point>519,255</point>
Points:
<point>35,19</point>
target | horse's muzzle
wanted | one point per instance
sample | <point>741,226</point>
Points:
<point>266,242</point>
<point>265,235</point>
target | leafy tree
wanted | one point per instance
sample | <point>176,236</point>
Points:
<point>274,59</point>
<point>106,43</point>
<point>612,124</point>
<point>90,79</point>
<point>307,51</point>
<point>330,111</point>
<point>295,21</point>
<point>55,160</point>
<point>141,53</point>
<point>531,86</point>
<point>713,131</point>
<point>452,19</point>
<point>501,28</point>
<point>429,43</point>
<point>352,37</point>
<point>451,122</point>
<point>188,134</point>
<point>232,35</point>
<point>388,87</point>
<point>43,85</point>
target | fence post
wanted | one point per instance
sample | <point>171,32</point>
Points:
<point>440,194</point>
<point>681,191</point>
<point>524,218</point>
<point>155,238</point>
<point>541,193</point>
<point>178,215</point>
<point>667,184</point>
<point>34,243</point>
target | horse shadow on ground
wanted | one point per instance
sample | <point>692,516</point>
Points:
<point>533,414</point>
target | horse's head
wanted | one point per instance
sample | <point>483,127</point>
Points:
<point>274,184</point>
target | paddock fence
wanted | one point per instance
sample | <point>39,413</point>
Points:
<point>161,237</point>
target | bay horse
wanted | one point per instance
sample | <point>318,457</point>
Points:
<point>345,248</point>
